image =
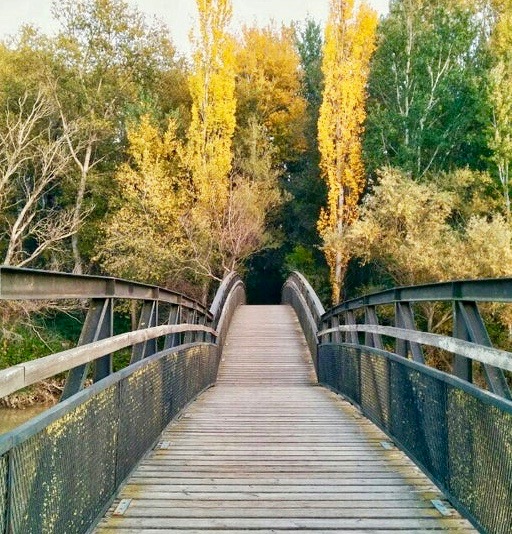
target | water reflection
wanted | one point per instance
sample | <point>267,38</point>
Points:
<point>11,418</point>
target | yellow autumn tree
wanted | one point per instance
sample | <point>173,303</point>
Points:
<point>268,88</point>
<point>348,46</point>
<point>143,238</point>
<point>212,88</point>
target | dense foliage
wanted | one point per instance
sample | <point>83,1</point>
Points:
<point>119,156</point>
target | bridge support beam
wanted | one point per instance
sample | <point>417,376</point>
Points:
<point>98,325</point>
<point>148,318</point>
<point>468,325</point>
<point>404,318</point>
<point>372,340</point>
<point>173,340</point>
<point>351,336</point>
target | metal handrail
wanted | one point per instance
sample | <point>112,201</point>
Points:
<point>468,325</point>
<point>298,293</point>
<point>102,292</point>
<point>31,372</point>
<point>31,284</point>
<point>456,431</point>
<point>308,293</point>
<point>107,427</point>
<point>487,355</point>
<point>230,294</point>
<point>484,290</point>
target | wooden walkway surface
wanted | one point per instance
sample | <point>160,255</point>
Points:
<point>268,451</point>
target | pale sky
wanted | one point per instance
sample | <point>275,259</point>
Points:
<point>177,14</point>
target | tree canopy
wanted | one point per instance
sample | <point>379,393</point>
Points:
<point>385,143</point>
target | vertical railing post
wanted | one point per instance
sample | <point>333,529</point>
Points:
<point>462,367</point>
<point>104,366</point>
<point>351,337</point>
<point>148,318</point>
<point>98,325</point>
<point>203,320</point>
<point>172,340</point>
<point>468,322</point>
<point>404,318</point>
<point>191,319</point>
<point>336,335</point>
<point>400,344</point>
<point>372,340</point>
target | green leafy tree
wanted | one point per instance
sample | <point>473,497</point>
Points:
<point>422,232</point>
<point>309,42</point>
<point>499,93</point>
<point>431,231</point>
<point>106,58</point>
<point>423,88</point>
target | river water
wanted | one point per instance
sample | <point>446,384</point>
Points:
<point>11,418</point>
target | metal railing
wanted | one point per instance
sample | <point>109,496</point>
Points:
<point>230,295</point>
<point>459,434</point>
<point>298,293</point>
<point>467,325</point>
<point>60,471</point>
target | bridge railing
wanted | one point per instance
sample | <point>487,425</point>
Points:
<point>298,293</point>
<point>60,471</point>
<point>458,433</point>
<point>469,343</point>
<point>230,295</point>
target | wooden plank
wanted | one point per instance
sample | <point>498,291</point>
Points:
<point>143,530</point>
<point>269,450</point>
<point>368,494</point>
<point>275,511</point>
<point>411,504</point>
<point>407,524</point>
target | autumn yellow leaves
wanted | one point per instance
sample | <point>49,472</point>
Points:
<point>349,44</point>
<point>247,119</point>
<point>203,197</point>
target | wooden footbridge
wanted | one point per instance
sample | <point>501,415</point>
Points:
<point>317,422</point>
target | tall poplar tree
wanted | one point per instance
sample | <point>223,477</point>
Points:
<point>212,88</point>
<point>349,43</point>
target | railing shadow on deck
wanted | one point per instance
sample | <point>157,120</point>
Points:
<point>460,435</point>
<point>60,471</point>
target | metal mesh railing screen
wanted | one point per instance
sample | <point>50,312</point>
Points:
<point>3,492</point>
<point>460,436</point>
<point>63,476</point>
<point>305,318</point>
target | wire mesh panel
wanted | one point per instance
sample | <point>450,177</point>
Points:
<point>460,435</point>
<point>151,396</point>
<point>63,475</point>
<point>3,491</point>
<point>67,465</point>
<point>338,367</point>
<point>375,389</point>
<point>480,457</point>
<point>140,420</point>
<point>419,418</point>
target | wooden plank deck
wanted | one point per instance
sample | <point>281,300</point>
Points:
<point>267,450</point>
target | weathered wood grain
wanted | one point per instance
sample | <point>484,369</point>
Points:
<point>267,450</point>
